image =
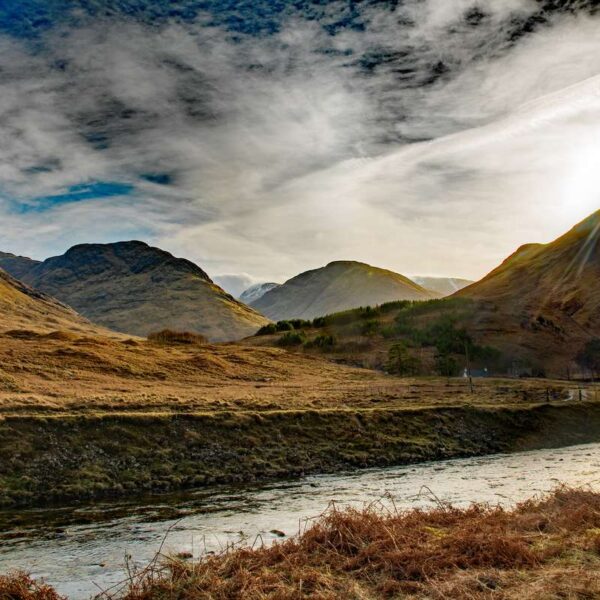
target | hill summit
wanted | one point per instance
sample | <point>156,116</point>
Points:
<point>560,275</point>
<point>544,296</point>
<point>338,286</point>
<point>137,289</point>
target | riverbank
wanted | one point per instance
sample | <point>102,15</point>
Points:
<point>45,459</point>
<point>88,417</point>
<point>546,548</point>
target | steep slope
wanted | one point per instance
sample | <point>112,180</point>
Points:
<point>17,266</point>
<point>22,308</point>
<point>256,291</point>
<point>446,286</point>
<point>136,289</point>
<point>339,286</point>
<point>545,298</point>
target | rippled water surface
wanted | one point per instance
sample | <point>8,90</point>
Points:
<point>83,550</point>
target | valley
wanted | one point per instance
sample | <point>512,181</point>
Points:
<point>87,413</point>
<point>141,417</point>
<point>299,300</point>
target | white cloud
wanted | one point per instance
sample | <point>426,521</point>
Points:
<point>288,151</point>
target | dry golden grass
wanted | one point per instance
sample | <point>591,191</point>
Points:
<point>545,549</point>
<point>22,307</point>
<point>77,410</point>
<point>65,372</point>
<point>20,586</point>
<point>54,362</point>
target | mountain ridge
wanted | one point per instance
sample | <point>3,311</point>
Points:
<point>17,266</point>
<point>135,288</point>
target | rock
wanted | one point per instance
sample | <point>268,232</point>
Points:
<point>277,533</point>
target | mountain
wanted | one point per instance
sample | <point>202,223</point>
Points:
<point>137,289</point>
<point>17,266</point>
<point>340,285</point>
<point>256,291</point>
<point>446,286</point>
<point>24,308</point>
<point>544,300</point>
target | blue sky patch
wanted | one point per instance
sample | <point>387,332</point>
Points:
<point>77,193</point>
<point>30,18</point>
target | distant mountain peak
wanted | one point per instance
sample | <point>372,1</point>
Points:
<point>256,291</point>
<point>134,256</point>
<point>445,286</point>
<point>340,285</point>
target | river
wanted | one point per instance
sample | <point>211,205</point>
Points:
<point>83,549</point>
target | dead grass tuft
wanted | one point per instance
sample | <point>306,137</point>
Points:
<point>169,337</point>
<point>20,586</point>
<point>62,336</point>
<point>542,549</point>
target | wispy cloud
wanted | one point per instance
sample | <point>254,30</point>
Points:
<point>430,137</point>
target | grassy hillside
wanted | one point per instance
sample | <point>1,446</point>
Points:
<point>537,314</point>
<point>543,302</point>
<point>21,306</point>
<point>402,338</point>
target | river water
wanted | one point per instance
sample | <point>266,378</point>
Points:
<point>82,550</point>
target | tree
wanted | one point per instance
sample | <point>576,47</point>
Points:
<point>446,365</point>
<point>589,357</point>
<point>402,362</point>
<point>450,342</point>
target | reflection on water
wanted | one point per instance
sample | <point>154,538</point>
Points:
<point>82,550</point>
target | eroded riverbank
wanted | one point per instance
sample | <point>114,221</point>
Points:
<point>51,459</point>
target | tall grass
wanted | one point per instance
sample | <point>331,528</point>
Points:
<point>543,549</point>
<point>480,552</point>
<point>20,586</point>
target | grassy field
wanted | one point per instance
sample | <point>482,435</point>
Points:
<point>63,373</point>
<point>85,417</point>
<point>543,549</point>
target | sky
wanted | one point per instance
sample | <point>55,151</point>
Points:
<point>264,138</point>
